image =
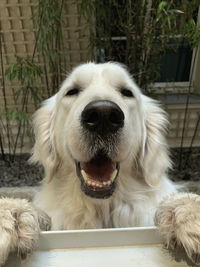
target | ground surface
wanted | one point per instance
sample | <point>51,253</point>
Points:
<point>21,173</point>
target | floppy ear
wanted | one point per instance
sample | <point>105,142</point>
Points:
<point>44,150</point>
<point>155,159</point>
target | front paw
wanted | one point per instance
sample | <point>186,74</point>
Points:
<point>19,227</point>
<point>178,220</point>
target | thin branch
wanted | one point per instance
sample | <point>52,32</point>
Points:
<point>2,149</point>
<point>4,95</point>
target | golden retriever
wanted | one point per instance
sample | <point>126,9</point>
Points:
<point>102,145</point>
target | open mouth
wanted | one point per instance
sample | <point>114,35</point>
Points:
<point>98,176</point>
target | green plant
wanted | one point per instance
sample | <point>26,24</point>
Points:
<point>47,21</point>
<point>28,74</point>
<point>145,28</point>
<point>138,33</point>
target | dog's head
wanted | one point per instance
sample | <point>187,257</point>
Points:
<point>97,121</point>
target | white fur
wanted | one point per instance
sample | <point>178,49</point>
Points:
<point>142,153</point>
<point>178,220</point>
<point>20,223</point>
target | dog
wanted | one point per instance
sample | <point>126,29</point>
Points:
<point>101,143</point>
<point>103,148</point>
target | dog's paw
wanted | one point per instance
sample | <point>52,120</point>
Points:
<point>178,220</point>
<point>7,233</point>
<point>19,227</point>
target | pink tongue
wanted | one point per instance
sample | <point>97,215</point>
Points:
<point>99,168</point>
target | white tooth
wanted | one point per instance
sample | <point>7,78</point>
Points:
<point>89,182</point>
<point>100,185</point>
<point>109,183</point>
<point>93,184</point>
<point>84,174</point>
<point>104,183</point>
<point>112,178</point>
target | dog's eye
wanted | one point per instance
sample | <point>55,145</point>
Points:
<point>73,91</point>
<point>126,92</point>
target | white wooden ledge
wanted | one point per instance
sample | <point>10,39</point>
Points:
<point>138,247</point>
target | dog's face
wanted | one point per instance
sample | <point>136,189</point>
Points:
<point>97,122</point>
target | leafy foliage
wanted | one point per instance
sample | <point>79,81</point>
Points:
<point>27,73</point>
<point>48,22</point>
<point>144,27</point>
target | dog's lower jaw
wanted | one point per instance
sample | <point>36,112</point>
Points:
<point>100,193</point>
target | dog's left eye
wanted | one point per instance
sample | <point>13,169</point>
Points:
<point>73,91</point>
<point>126,92</point>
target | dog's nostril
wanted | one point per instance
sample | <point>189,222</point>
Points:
<point>116,118</point>
<point>92,118</point>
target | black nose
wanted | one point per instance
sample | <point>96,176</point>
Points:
<point>103,117</point>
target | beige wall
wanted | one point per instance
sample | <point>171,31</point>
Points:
<point>176,121</point>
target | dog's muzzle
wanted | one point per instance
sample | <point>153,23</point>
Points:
<point>101,120</point>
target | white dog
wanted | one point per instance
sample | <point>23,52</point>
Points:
<point>101,143</point>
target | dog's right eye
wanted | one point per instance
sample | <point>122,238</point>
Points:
<point>126,92</point>
<point>73,91</point>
